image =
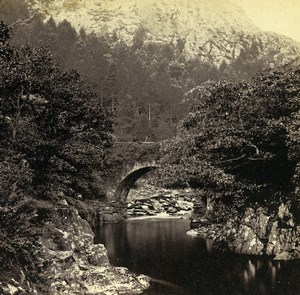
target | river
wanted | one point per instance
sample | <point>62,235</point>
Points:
<point>185,265</point>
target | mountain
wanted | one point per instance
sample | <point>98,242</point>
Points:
<point>214,31</point>
<point>145,55</point>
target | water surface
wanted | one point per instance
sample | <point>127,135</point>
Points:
<point>182,264</point>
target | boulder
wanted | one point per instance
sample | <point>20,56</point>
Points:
<point>172,210</point>
<point>156,205</point>
<point>184,205</point>
<point>145,207</point>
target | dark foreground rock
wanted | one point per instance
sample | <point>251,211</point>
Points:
<point>67,261</point>
<point>255,233</point>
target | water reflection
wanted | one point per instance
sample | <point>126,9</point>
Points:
<point>249,273</point>
<point>274,269</point>
<point>256,268</point>
<point>209,245</point>
<point>183,264</point>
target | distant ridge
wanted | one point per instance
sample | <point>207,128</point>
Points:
<point>214,31</point>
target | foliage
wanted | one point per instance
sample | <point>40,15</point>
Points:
<point>240,141</point>
<point>51,127</point>
<point>19,232</point>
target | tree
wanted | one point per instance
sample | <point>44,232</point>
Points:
<point>4,33</point>
<point>66,38</point>
<point>138,38</point>
<point>53,144</point>
<point>51,126</point>
<point>238,142</point>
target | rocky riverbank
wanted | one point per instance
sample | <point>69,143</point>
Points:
<point>79,266</point>
<point>255,233</point>
<point>66,260</point>
<point>172,205</point>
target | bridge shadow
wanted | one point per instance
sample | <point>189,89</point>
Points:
<point>126,184</point>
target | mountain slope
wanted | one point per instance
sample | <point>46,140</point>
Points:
<point>215,31</point>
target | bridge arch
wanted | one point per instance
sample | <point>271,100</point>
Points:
<point>126,184</point>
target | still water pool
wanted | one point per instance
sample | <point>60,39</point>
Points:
<point>187,265</point>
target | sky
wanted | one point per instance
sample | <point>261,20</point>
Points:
<point>280,16</point>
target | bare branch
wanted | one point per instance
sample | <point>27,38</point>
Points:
<point>232,160</point>
<point>256,159</point>
<point>22,21</point>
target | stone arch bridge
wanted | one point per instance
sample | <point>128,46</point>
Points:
<point>132,160</point>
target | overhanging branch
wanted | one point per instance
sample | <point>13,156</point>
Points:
<point>232,160</point>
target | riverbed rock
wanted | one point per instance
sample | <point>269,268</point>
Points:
<point>112,217</point>
<point>184,205</point>
<point>156,205</point>
<point>247,241</point>
<point>259,234</point>
<point>61,258</point>
<point>145,207</point>
<point>171,210</point>
<point>173,205</point>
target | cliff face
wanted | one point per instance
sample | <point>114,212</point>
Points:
<point>214,31</point>
<point>255,233</point>
<point>258,233</point>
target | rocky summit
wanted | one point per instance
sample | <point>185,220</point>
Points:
<point>214,31</point>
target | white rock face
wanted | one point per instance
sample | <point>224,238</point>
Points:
<point>216,31</point>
